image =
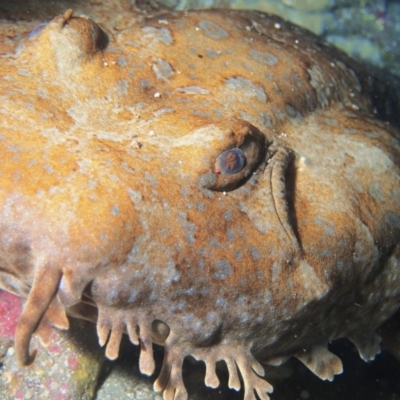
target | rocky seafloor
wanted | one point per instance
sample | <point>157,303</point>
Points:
<point>73,367</point>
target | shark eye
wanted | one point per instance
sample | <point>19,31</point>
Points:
<point>230,161</point>
<point>241,152</point>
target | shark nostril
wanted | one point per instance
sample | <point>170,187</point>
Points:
<point>159,331</point>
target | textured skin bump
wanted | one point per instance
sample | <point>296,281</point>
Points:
<point>117,206</point>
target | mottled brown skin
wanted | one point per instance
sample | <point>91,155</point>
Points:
<point>112,196</point>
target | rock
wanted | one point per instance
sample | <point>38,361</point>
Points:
<point>358,46</point>
<point>68,369</point>
<point>310,5</point>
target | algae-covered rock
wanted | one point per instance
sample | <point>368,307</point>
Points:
<point>310,5</point>
<point>357,47</point>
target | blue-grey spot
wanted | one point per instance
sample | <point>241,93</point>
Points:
<point>134,195</point>
<point>176,277</point>
<point>244,281</point>
<point>192,90</point>
<point>297,80</point>
<point>246,87</point>
<point>245,116</point>
<point>310,102</point>
<point>162,35</point>
<point>268,297</point>
<point>325,252</point>
<point>162,111</point>
<point>266,119</point>
<point>393,220</point>
<point>42,93</point>
<point>191,291</point>
<point>245,318</point>
<point>190,231</point>
<point>214,242</point>
<point>375,191</point>
<point>166,205</point>
<point>263,57</point>
<point>144,83</point>
<point>153,296</point>
<point>201,114</point>
<point>247,66</point>
<point>330,230</point>
<point>131,43</point>
<point>181,305</point>
<point>112,295</point>
<point>115,210</point>
<point>223,269</point>
<point>373,134</point>
<point>211,316</point>
<point>218,112</point>
<point>48,169</point>
<point>23,72</point>
<point>213,30</point>
<point>327,226</point>
<point>279,114</point>
<point>331,121</point>
<point>213,53</point>
<point>122,61</point>
<point>150,178</point>
<point>204,291</point>
<point>221,302</point>
<point>126,167</point>
<point>162,69</point>
<point>292,113</point>
<point>93,197</point>
<point>254,253</point>
<point>133,296</point>
<point>230,235</point>
<point>122,87</point>
<point>227,216</point>
<point>200,206</point>
<point>276,270</point>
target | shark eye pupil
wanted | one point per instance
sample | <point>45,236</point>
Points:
<point>230,161</point>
